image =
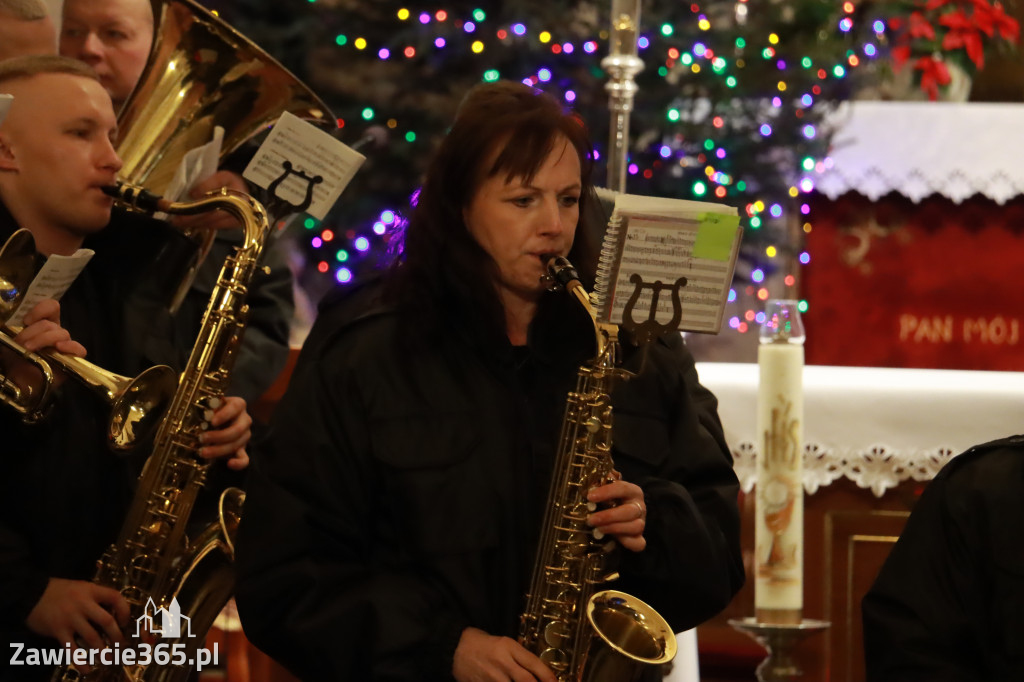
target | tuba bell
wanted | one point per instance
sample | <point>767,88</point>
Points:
<point>136,404</point>
<point>201,74</point>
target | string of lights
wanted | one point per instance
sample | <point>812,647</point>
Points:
<point>729,110</point>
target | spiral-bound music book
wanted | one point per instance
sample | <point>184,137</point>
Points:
<point>679,254</point>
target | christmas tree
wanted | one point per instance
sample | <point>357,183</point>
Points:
<point>732,105</point>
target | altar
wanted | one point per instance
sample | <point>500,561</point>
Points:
<point>873,438</point>
<point>915,232</point>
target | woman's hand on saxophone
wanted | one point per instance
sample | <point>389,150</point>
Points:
<point>481,657</point>
<point>625,515</point>
<point>230,430</point>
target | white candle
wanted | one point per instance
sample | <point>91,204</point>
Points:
<point>779,507</point>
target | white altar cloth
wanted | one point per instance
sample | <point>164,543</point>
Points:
<point>875,426</point>
<point>923,148</point>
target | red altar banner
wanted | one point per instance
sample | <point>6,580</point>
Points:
<point>892,283</point>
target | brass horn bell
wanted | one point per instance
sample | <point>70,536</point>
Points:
<point>136,405</point>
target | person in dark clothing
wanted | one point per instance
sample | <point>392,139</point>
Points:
<point>948,604</point>
<point>393,516</point>
<point>114,37</point>
<point>63,495</point>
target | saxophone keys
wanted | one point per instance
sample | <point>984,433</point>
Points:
<point>209,406</point>
<point>556,659</point>
<point>556,633</point>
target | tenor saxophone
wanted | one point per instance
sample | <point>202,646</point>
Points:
<point>581,632</point>
<point>161,563</point>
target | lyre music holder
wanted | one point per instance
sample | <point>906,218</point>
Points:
<point>650,329</point>
<point>277,205</point>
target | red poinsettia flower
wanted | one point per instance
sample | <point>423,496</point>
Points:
<point>933,74</point>
<point>919,27</point>
<point>992,19</point>
<point>963,34</point>
<point>936,31</point>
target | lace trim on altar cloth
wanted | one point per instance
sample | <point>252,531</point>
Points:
<point>921,148</point>
<point>916,184</point>
<point>878,468</point>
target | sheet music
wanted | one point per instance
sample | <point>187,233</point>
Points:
<point>672,239</point>
<point>196,165</point>
<point>311,151</point>
<point>51,282</point>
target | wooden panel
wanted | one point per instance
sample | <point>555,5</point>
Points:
<point>856,545</point>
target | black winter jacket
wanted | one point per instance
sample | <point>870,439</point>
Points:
<point>948,604</point>
<point>399,497</point>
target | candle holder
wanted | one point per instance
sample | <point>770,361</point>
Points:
<point>621,65</point>
<point>779,640</point>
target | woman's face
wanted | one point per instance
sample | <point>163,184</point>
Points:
<point>518,223</point>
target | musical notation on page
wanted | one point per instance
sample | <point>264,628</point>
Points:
<point>667,262</point>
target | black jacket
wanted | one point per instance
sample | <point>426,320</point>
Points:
<point>948,605</point>
<point>400,494</point>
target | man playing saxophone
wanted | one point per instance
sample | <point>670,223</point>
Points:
<point>392,518</point>
<point>63,494</point>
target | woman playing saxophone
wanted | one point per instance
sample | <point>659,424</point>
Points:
<point>392,520</point>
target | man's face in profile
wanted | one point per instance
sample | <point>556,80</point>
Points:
<point>56,159</point>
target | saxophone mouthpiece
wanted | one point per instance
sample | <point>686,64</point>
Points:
<point>137,197</point>
<point>561,273</point>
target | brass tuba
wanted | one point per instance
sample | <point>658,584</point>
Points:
<point>202,74</point>
<point>582,634</point>
<point>136,405</point>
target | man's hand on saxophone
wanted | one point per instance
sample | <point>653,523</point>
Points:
<point>231,429</point>
<point>626,515</point>
<point>73,611</point>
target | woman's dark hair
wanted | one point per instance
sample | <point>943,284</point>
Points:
<point>441,274</point>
